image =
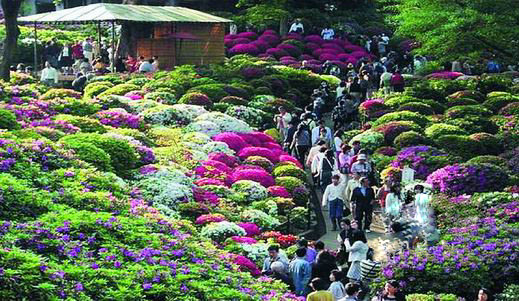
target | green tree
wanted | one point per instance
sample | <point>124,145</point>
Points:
<point>452,29</point>
<point>265,13</point>
<point>10,9</point>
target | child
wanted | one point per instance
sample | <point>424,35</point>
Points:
<point>337,288</point>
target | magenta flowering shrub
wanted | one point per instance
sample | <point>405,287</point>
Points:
<point>120,119</point>
<point>278,191</point>
<point>468,178</point>
<point>289,158</point>
<point>327,57</point>
<point>248,35</point>
<point>423,159</point>
<point>228,160</point>
<point>316,39</point>
<point>134,95</point>
<point>392,129</point>
<point>244,240</point>
<point>262,137</point>
<point>252,73</point>
<point>290,49</point>
<point>277,52</point>
<point>251,228</point>
<point>207,171</point>
<point>246,265</point>
<point>262,45</point>
<point>352,48</point>
<point>62,125</point>
<point>208,181</point>
<point>386,151</point>
<point>373,108</point>
<point>259,161</point>
<point>209,218</point>
<point>258,175</point>
<point>217,164</point>
<point>270,39</point>
<point>234,141</point>
<point>241,41</point>
<point>205,196</point>
<point>250,49</point>
<point>445,75</point>
<point>258,151</point>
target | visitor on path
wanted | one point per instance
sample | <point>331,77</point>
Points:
<point>328,33</point>
<point>77,51</point>
<point>370,270</point>
<point>355,148</point>
<point>317,104</point>
<point>274,256</point>
<point>352,185</point>
<point>49,75</point>
<point>316,132</point>
<point>384,191</point>
<point>361,167</point>
<point>297,27</point>
<point>319,293</point>
<point>65,57</point>
<point>364,198</point>
<point>385,82</point>
<point>313,152</point>
<point>406,230</point>
<point>85,66</point>
<point>300,271</point>
<point>337,288</point>
<point>456,66</point>
<point>233,28</point>
<point>120,66</point>
<point>302,142</point>
<point>311,253</point>
<point>393,208</point>
<point>324,264</point>
<point>344,159</point>
<point>80,82</point>
<point>280,272</point>
<point>131,64</point>
<point>397,82</point>
<point>352,291</point>
<point>334,197</point>
<point>327,167</point>
<point>357,252</point>
<point>421,205</point>
<point>391,292</point>
<point>355,90</point>
<point>493,66</point>
<point>337,142</point>
<point>340,89</point>
<point>282,119</point>
<point>155,65</point>
<point>346,233</point>
<point>146,66</point>
<point>88,49</point>
<point>289,136</point>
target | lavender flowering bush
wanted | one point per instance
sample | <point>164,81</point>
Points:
<point>423,159</point>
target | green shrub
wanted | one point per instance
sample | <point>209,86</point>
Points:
<point>138,81</point>
<point>463,111</point>
<point>471,94</point>
<point>215,92</point>
<point>410,138</point>
<point>510,109</point>
<point>93,89</point>
<point>491,145</point>
<point>493,83</point>
<point>20,201</point>
<point>8,120</point>
<point>87,125</point>
<point>221,107</point>
<point>263,91</point>
<point>417,107</point>
<point>394,128</point>
<point>397,99</point>
<point>462,146</point>
<point>348,135</point>
<point>431,297</point>
<point>88,152</point>
<point>402,116</point>
<point>120,89</point>
<point>461,102</point>
<point>441,129</point>
<point>76,106</point>
<point>489,159</point>
<point>134,133</point>
<point>162,97</point>
<point>497,103</point>
<point>510,293</point>
<point>289,171</point>
<point>235,90</point>
<point>195,98</point>
<point>290,183</point>
<point>474,124</point>
<point>60,93</point>
<point>234,100</point>
<point>369,140</point>
<point>112,78</point>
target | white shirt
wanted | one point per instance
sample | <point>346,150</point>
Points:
<point>393,205</point>
<point>327,33</point>
<point>340,91</point>
<point>337,142</point>
<point>49,73</point>
<point>295,26</point>
<point>362,168</point>
<point>337,289</point>
<point>314,168</point>
<point>233,29</point>
<point>316,134</point>
<point>284,120</point>
<point>333,192</point>
<point>352,184</point>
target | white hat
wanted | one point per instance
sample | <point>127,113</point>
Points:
<point>362,157</point>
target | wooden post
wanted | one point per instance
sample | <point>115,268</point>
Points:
<point>98,39</point>
<point>113,47</point>
<point>35,48</point>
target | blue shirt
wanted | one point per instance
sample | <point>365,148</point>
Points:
<point>300,272</point>
<point>363,190</point>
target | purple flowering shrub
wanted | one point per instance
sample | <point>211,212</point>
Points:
<point>512,159</point>
<point>461,179</point>
<point>423,159</point>
<point>119,119</point>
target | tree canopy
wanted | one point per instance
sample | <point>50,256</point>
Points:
<point>452,29</point>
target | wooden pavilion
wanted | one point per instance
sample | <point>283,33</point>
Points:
<point>177,35</point>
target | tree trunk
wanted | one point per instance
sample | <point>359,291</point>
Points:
<point>11,9</point>
<point>127,42</point>
<point>283,25</point>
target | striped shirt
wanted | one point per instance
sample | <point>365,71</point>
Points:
<point>369,269</point>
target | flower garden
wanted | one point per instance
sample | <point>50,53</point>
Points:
<point>165,187</point>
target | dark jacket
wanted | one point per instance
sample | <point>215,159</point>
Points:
<point>358,198</point>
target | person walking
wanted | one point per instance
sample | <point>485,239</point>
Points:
<point>421,205</point>
<point>357,252</point>
<point>385,82</point>
<point>273,256</point>
<point>334,197</point>
<point>363,197</point>
<point>88,49</point>
<point>393,208</point>
<point>302,142</point>
<point>352,291</point>
<point>391,292</point>
<point>327,167</point>
<point>352,184</point>
<point>316,132</point>
<point>397,82</point>
<point>282,120</point>
<point>300,271</point>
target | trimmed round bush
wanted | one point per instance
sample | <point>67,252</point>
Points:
<point>369,139</point>
<point>215,92</point>
<point>254,174</point>
<point>417,107</point>
<point>252,191</point>
<point>60,93</point>
<point>167,98</point>
<point>234,141</point>
<point>408,139</point>
<point>234,100</point>
<point>249,49</point>
<point>292,50</point>
<point>462,146</point>
<point>402,116</point>
<point>437,130</point>
<point>392,129</point>
<point>474,124</point>
<point>423,159</point>
<point>120,89</point>
<point>220,231</point>
<point>489,159</point>
<point>260,161</point>
<point>93,89</point>
<point>490,144</point>
<point>289,171</point>
<point>195,98</point>
<point>290,183</point>
<point>478,96</point>
<point>277,53</point>
<point>461,179</point>
<point>92,154</point>
<point>8,120</point>
<point>497,103</point>
<point>510,109</point>
<point>462,111</point>
<point>87,125</point>
<point>461,102</point>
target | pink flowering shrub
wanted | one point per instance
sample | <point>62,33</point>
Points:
<point>251,228</point>
<point>209,218</point>
<point>228,160</point>
<point>218,165</point>
<point>373,108</point>
<point>291,49</point>
<point>272,40</point>
<point>262,45</point>
<point>289,158</point>
<point>205,196</point>
<point>278,191</point>
<point>445,75</point>
<point>257,175</point>
<point>208,181</point>
<point>327,57</point>
<point>277,52</point>
<point>234,141</point>
<point>241,41</point>
<point>207,171</point>
<point>316,39</point>
<point>246,265</point>
<point>134,95</point>
<point>248,35</point>
<point>262,137</point>
<point>258,151</point>
<point>352,48</point>
<point>250,49</point>
<point>244,240</point>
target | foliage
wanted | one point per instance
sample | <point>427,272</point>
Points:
<point>8,120</point>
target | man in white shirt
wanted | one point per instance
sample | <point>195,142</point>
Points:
<point>297,27</point>
<point>313,152</point>
<point>316,133</point>
<point>361,167</point>
<point>314,168</point>
<point>334,196</point>
<point>327,33</point>
<point>88,49</point>
<point>146,66</point>
<point>352,184</point>
<point>49,75</point>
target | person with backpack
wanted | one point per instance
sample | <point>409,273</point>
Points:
<point>397,82</point>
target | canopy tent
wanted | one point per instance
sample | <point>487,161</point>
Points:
<point>118,13</point>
